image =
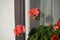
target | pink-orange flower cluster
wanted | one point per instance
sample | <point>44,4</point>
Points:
<point>58,25</point>
<point>55,27</point>
<point>19,29</point>
<point>54,37</point>
<point>33,12</point>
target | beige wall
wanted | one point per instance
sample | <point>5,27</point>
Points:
<point>7,22</point>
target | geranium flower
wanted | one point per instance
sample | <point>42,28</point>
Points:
<point>55,27</point>
<point>58,23</point>
<point>33,12</point>
<point>54,37</point>
<point>19,29</point>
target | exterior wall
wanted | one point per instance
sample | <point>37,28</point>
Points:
<point>7,22</point>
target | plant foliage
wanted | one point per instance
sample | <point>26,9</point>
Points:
<point>43,33</point>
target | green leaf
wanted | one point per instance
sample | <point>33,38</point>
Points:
<point>43,33</point>
<point>57,32</point>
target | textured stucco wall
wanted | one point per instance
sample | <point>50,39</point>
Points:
<point>7,22</point>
